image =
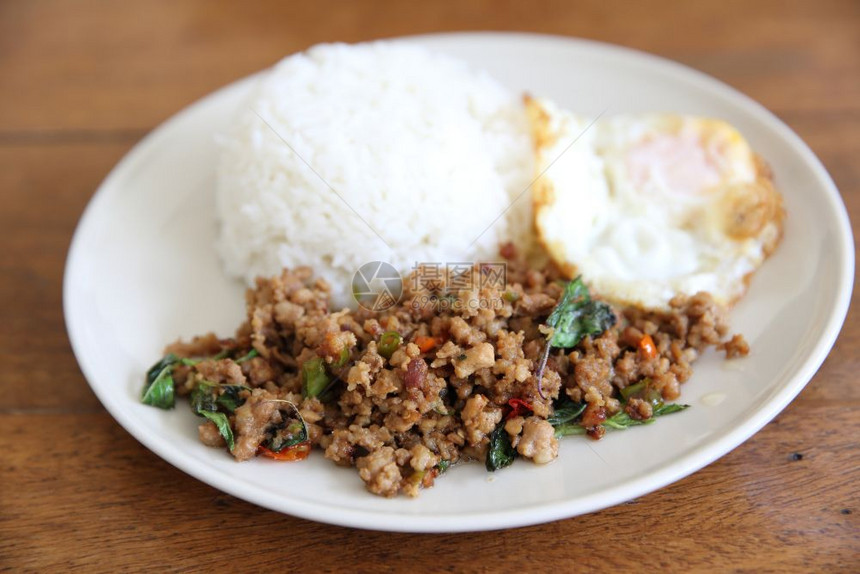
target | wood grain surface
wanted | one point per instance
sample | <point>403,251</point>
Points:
<point>82,81</point>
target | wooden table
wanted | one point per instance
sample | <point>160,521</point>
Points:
<point>81,82</point>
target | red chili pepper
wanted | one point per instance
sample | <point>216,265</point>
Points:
<point>426,344</point>
<point>519,407</point>
<point>295,452</point>
<point>647,347</point>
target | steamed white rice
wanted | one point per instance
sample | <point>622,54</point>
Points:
<point>419,146</point>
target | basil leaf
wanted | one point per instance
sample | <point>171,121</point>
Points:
<point>159,388</point>
<point>248,356</point>
<point>500,452</point>
<point>633,390</point>
<point>229,397</point>
<point>190,362</point>
<point>223,424</point>
<point>565,412</point>
<point>203,397</point>
<point>208,396</point>
<point>167,361</point>
<point>621,420</point>
<point>314,378</point>
<point>292,430</point>
<point>668,409</point>
<point>291,434</point>
<point>569,429</point>
<point>576,316</point>
<point>564,423</point>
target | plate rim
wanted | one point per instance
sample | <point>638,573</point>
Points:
<point>694,461</point>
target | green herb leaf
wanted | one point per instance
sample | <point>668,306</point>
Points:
<point>229,397</point>
<point>290,434</point>
<point>621,420</point>
<point>292,430</point>
<point>211,397</point>
<point>314,378</point>
<point>643,390</point>
<point>155,370</point>
<point>633,390</point>
<point>500,452</point>
<point>510,296</point>
<point>203,398</point>
<point>159,388</point>
<point>576,316</point>
<point>223,423</point>
<point>248,356</point>
<point>161,392</point>
<point>668,409</point>
<point>564,419</point>
<point>443,466</point>
<point>342,359</point>
<point>388,343</point>
<point>190,362</point>
<point>569,429</point>
<point>565,412</point>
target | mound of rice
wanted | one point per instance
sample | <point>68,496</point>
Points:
<point>414,144</point>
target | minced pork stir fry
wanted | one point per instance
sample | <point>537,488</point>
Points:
<point>406,393</point>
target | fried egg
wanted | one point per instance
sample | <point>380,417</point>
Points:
<point>647,207</point>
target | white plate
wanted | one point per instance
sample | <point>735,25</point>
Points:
<point>141,272</point>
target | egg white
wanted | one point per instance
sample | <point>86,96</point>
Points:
<point>648,207</point>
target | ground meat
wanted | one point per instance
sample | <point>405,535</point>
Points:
<point>737,346</point>
<point>209,435</point>
<point>595,413</point>
<point>225,371</point>
<point>638,409</point>
<point>463,333</point>
<point>340,449</point>
<point>480,356</point>
<point>380,472</point>
<point>252,420</point>
<point>201,346</point>
<point>335,345</point>
<point>287,312</point>
<point>514,427</point>
<point>479,418</point>
<point>592,372</point>
<point>422,458</point>
<point>538,441</point>
<point>259,371</point>
<point>508,250</point>
<point>398,417</point>
<point>534,304</point>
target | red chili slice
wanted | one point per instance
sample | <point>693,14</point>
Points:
<point>296,452</point>
<point>519,408</point>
